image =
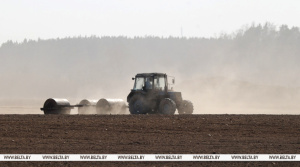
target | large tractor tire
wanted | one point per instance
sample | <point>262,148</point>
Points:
<point>138,105</point>
<point>186,107</point>
<point>167,106</point>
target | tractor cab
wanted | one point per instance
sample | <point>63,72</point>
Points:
<point>150,82</point>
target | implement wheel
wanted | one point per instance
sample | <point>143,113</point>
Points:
<point>56,106</point>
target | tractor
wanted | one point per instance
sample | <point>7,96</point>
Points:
<point>151,94</point>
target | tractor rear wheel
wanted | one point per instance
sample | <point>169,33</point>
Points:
<point>138,105</point>
<point>167,106</point>
<point>186,107</point>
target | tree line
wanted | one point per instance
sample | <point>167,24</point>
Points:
<point>265,54</point>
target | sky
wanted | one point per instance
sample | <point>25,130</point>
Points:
<point>45,19</point>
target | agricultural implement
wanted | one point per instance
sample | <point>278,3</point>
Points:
<point>85,106</point>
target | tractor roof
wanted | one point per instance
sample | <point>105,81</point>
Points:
<point>149,74</point>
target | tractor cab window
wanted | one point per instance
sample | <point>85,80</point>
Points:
<point>139,83</point>
<point>159,83</point>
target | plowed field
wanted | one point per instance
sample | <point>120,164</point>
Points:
<point>149,134</point>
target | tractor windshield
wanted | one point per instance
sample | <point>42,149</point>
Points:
<point>139,83</point>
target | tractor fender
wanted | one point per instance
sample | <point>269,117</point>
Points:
<point>176,97</point>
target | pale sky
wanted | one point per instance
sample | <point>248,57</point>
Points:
<point>33,19</point>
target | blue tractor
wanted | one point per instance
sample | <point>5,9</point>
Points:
<point>151,94</point>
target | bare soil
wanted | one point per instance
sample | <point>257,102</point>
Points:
<point>150,134</point>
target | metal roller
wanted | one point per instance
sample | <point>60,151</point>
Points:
<point>57,106</point>
<point>88,106</point>
<point>111,106</point>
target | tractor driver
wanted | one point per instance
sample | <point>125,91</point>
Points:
<point>148,83</point>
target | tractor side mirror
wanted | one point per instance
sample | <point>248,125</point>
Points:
<point>132,78</point>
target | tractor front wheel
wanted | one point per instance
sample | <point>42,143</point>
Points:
<point>138,105</point>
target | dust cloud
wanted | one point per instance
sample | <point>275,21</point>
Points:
<point>252,71</point>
